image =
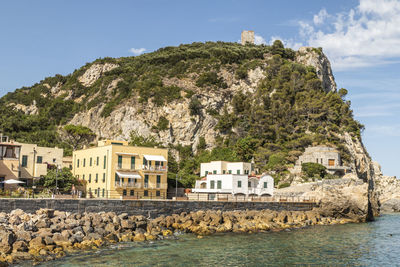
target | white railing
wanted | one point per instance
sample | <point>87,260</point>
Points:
<point>127,184</point>
<point>155,186</point>
<point>154,168</point>
<point>124,167</point>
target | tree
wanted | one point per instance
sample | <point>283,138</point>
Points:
<point>64,179</point>
<point>311,169</point>
<point>78,135</point>
<point>138,140</point>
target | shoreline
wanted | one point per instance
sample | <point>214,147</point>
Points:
<point>49,234</point>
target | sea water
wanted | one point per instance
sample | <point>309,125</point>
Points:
<point>366,244</point>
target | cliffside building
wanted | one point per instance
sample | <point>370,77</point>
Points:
<point>231,179</point>
<point>113,169</point>
<point>326,156</point>
<point>247,37</point>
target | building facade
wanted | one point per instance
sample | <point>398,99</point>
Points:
<point>326,156</point>
<point>113,169</point>
<point>232,178</point>
<point>9,163</point>
<point>24,162</point>
<point>36,160</point>
<point>225,167</point>
<point>247,37</point>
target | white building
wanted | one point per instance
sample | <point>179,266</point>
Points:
<point>232,178</point>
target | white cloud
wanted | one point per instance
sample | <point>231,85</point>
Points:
<point>366,35</point>
<point>320,17</point>
<point>137,51</point>
<point>259,40</point>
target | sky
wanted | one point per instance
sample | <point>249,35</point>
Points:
<point>360,37</point>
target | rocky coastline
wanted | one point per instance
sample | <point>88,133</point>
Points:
<point>49,234</point>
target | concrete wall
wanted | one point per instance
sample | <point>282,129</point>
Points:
<point>143,207</point>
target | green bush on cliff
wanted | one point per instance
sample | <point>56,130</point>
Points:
<point>311,170</point>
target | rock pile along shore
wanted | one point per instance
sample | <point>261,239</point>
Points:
<point>50,234</point>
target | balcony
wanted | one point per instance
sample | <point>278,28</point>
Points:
<point>126,167</point>
<point>154,168</point>
<point>155,186</point>
<point>127,185</point>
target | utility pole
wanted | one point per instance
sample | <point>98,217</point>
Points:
<point>176,186</point>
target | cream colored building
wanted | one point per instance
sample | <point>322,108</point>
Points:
<point>113,169</point>
<point>36,160</point>
<point>225,167</point>
<point>20,161</point>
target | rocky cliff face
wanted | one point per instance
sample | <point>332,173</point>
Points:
<point>314,57</point>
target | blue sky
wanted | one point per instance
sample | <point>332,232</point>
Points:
<point>362,39</point>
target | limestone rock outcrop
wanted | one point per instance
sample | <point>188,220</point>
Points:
<point>314,57</point>
<point>94,72</point>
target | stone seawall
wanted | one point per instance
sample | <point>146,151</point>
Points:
<point>152,208</point>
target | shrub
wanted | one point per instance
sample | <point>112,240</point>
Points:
<point>311,169</point>
<point>162,124</point>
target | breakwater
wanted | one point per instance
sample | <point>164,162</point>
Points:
<point>48,234</point>
<point>148,208</point>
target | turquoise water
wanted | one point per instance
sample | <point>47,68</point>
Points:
<point>369,244</point>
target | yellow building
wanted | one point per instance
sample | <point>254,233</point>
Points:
<point>113,169</point>
<point>36,160</point>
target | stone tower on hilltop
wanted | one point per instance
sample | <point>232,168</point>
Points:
<point>247,37</point>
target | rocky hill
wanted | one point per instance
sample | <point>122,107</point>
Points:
<point>205,101</point>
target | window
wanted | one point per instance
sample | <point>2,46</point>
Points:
<point>246,172</point>
<point>104,177</point>
<point>98,192</point>
<point>83,177</point>
<point>239,184</point>
<point>212,184</point>
<point>90,162</point>
<point>158,193</point>
<point>132,193</point>
<point>105,162</point>
<point>214,172</point>
<point>219,184</point>
<point>249,184</point>
<point>116,178</point>
<point>146,193</point>
<point>144,161</point>
<point>331,162</point>
<point>24,161</point>
<point>206,173</point>
<point>97,177</point>
<point>95,191</point>
<point>224,171</point>
<point>124,192</point>
<point>265,185</point>
<point>146,180</point>
<point>70,166</point>
<point>90,178</point>
<point>97,161</point>
<point>103,192</point>
<point>132,163</point>
<point>119,161</point>
<point>230,171</point>
<point>77,163</point>
<point>39,159</point>
<point>238,172</point>
<point>158,179</point>
<point>84,162</point>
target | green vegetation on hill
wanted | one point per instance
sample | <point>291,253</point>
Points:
<point>288,111</point>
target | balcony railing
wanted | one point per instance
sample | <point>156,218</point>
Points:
<point>127,185</point>
<point>154,168</point>
<point>155,186</point>
<point>124,167</point>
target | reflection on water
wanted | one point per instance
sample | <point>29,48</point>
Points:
<point>369,244</point>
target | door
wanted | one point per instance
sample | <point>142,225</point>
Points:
<point>331,162</point>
